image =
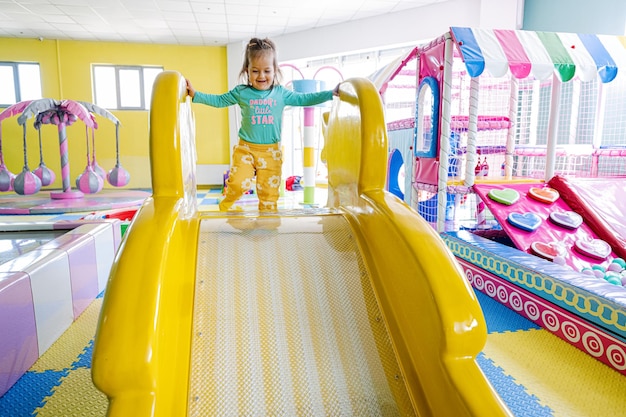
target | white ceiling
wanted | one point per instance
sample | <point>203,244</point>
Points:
<point>183,22</point>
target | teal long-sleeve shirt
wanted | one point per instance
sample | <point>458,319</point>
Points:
<point>262,110</point>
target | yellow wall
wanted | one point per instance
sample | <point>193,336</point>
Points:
<point>66,74</point>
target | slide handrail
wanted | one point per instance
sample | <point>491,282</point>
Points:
<point>142,347</point>
<point>434,319</point>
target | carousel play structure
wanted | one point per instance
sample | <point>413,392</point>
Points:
<point>24,191</point>
<point>514,149</point>
<point>61,113</point>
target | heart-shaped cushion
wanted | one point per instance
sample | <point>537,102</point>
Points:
<point>525,221</point>
<point>506,196</point>
<point>594,248</point>
<point>567,219</point>
<point>547,250</point>
<point>545,195</point>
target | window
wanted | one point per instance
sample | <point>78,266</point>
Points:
<point>20,81</point>
<point>123,87</point>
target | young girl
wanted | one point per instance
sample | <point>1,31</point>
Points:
<point>262,100</point>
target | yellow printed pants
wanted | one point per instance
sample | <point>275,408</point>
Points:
<point>250,159</point>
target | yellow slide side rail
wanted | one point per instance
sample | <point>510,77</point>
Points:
<point>435,321</point>
<point>141,355</point>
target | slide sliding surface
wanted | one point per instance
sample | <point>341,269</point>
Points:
<point>354,309</point>
<point>286,323</point>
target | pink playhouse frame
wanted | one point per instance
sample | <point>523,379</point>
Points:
<point>530,104</point>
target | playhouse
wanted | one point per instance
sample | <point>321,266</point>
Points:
<point>512,144</point>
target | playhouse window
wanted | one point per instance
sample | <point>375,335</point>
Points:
<point>20,81</point>
<point>123,87</point>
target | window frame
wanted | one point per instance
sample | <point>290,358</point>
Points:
<point>143,106</point>
<point>16,79</point>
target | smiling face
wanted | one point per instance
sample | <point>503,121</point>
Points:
<point>261,71</point>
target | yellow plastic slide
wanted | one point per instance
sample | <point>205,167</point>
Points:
<point>355,309</point>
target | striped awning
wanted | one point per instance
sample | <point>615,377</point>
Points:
<point>540,54</point>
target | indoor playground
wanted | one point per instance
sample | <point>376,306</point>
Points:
<point>454,213</point>
<point>32,191</point>
<point>512,145</point>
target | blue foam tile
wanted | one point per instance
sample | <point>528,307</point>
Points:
<point>84,359</point>
<point>515,396</point>
<point>68,217</point>
<point>29,393</point>
<point>209,201</point>
<point>500,318</point>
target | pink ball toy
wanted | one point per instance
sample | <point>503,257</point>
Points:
<point>118,176</point>
<point>26,183</point>
<point>6,180</point>
<point>89,182</point>
<point>45,174</point>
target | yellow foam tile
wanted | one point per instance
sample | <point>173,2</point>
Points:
<point>564,378</point>
<point>71,344</point>
<point>75,396</point>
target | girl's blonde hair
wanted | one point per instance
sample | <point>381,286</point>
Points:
<point>257,47</point>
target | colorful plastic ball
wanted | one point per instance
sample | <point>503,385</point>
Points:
<point>89,182</point>
<point>560,260</point>
<point>615,267</point>
<point>598,273</point>
<point>587,271</point>
<point>614,280</point>
<point>26,183</point>
<point>598,267</point>
<point>620,261</point>
<point>45,174</point>
<point>6,180</point>
<point>118,176</point>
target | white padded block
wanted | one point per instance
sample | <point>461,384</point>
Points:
<point>106,243</point>
<point>116,228</point>
<point>49,272</point>
<point>81,252</point>
<point>19,226</point>
<point>104,238</point>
